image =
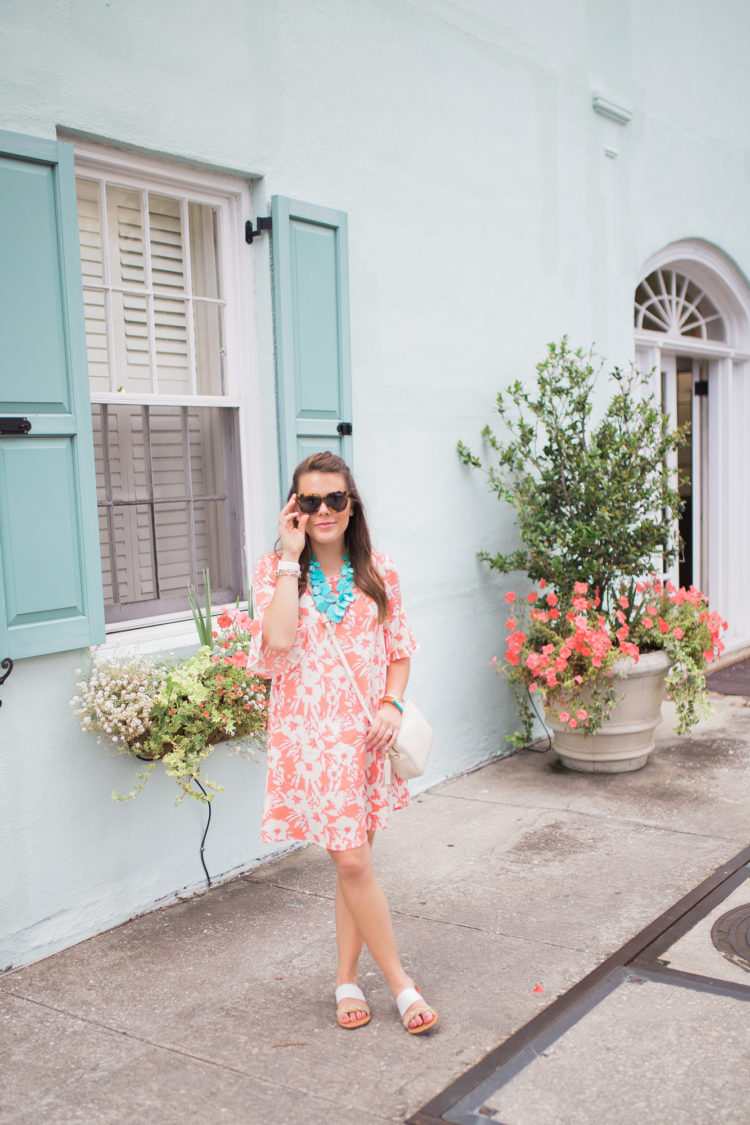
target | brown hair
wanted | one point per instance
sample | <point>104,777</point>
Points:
<point>357,535</point>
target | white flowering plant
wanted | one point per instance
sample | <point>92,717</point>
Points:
<point>177,711</point>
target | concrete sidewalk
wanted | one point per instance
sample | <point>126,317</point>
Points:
<point>508,886</point>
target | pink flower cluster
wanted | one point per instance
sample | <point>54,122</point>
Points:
<point>565,652</point>
<point>234,623</point>
<point>660,596</point>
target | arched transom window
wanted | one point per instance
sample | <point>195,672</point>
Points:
<point>669,301</point>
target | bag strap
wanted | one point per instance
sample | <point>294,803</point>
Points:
<point>329,628</point>
<point>346,665</point>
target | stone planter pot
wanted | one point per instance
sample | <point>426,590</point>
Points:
<point>625,741</point>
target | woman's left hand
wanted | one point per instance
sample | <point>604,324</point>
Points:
<point>383,733</point>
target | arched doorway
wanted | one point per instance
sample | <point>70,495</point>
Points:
<point>692,330</point>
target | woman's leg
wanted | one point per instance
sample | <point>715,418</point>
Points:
<point>364,912</point>
<point>349,943</point>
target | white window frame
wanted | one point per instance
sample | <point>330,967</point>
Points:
<point>232,195</point>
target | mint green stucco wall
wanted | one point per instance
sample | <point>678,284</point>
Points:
<point>484,220</point>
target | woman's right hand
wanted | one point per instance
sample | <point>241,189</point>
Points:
<point>292,526</point>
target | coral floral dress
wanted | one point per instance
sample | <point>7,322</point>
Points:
<point>323,784</point>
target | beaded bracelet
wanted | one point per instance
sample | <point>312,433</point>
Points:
<point>397,703</point>
<point>288,568</point>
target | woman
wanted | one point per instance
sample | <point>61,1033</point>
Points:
<point>326,764</point>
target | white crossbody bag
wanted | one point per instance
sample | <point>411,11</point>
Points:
<point>411,752</point>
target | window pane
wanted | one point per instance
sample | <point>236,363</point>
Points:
<point>210,542</point>
<point>90,231</point>
<point>167,253</point>
<point>205,266</point>
<point>95,314</point>
<point>127,261</point>
<point>167,501</point>
<point>132,344</point>
<point>173,548</point>
<point>206,460</point>
<point>172,355</point>
<point>168,462</point>
<point>92,271</point>
<point>133,535</point>
<point>104,542</point>
<point>122,463</point>
<point>98,417</point>
<point>209,348</point>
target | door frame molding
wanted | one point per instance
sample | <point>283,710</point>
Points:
<point>728,373</point>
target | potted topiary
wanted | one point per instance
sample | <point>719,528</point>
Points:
<point>596,507</point>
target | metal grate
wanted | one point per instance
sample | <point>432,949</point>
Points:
<point>731,936</point>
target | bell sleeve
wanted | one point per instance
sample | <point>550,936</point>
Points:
<point>259,658</point>
<point>400,642</point>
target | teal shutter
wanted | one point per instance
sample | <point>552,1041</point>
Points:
<point>50,576</point>
<point>311,317</point>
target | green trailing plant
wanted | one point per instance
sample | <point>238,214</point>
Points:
<point>177,711</point>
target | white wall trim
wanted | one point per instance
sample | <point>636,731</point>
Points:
<point>728,451</point>
<point>234,196</point>
<point>615,111</point>
<point>724,283</point>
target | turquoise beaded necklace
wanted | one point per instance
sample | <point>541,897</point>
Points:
<point>334,606</point>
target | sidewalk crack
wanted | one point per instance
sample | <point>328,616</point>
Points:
<point>184,1053</point>
<point>592,815</point>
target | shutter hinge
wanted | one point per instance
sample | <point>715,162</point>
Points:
<point>344,429</point>
<point>701,387</point>
<point>14,425</point>
<point>264,224</point>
